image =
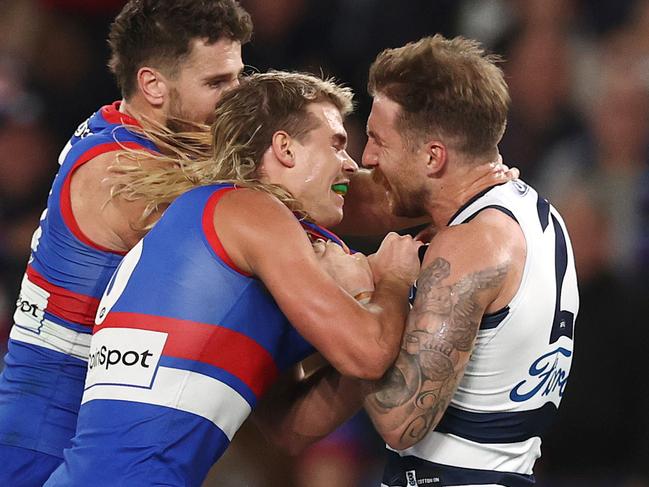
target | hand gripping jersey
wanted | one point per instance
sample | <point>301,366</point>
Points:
<point>517,373</point>
<point>185,345</point>
<point>42,384</point>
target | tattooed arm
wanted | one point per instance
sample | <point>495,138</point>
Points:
<point>463,274</point>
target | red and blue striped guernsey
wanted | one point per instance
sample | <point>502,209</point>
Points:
<point>185,345</point>
<point>42,384</point>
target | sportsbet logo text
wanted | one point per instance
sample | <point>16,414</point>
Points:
<point>113,357</point>
<point>124,357</point>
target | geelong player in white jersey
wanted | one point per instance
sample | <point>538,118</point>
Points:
<point>488,345</point>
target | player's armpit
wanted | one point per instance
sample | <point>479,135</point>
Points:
<point>453,291</point>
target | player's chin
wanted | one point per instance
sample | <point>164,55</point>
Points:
<point>339,207</point>
<point>332,216</point>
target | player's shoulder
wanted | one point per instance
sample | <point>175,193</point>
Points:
<point>254,215</point>
<point>94,176</point>
<point>495,228</point>
<point>255,205</point>
<point>492,237</point>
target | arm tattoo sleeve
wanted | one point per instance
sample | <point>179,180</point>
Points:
<point>441,326</point>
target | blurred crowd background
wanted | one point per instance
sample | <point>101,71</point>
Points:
<point>578,71</point>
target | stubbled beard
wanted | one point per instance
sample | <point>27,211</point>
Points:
<point>409,204</point>
<point>178,125</point>
<point>177,120</point>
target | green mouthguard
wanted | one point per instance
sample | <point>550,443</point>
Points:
<point>340,188</point>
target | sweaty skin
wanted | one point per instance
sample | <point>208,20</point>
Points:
<point>455,288</point>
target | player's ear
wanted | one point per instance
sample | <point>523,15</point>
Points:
<point>437,156</point>
<point>282,147</point>
<point>153,86</point>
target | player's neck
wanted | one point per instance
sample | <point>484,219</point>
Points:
<point>458,186</point>
<point>140,110</point>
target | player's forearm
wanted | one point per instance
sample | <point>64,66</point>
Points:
<point>413,395</point>
<point>402,409</point>
<point>370,342</point>
<point>298,415</point>
<point>391,402</point>
<point>390,303</point>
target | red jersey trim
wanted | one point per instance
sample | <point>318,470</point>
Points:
<point>210,232</point>
<point>113,116</point>
<point>214,345</point>
<point>314,234</point>
<point>62,302</point>
<point>65,201</point>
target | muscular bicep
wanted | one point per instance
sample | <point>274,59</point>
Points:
<point>453,291</point>
<point>264,238</point>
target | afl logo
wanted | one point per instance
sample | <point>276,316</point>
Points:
<point>520,186</point>
<point>411,478</point>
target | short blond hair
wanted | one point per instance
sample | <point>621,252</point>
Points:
<point>231,149</point>
<point>445,87</point>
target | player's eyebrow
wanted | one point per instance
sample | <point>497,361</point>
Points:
<point>224,76</point>
<point>339,139</point>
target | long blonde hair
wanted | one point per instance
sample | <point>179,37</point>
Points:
<point>232,149</point>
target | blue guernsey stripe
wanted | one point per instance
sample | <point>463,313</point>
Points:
<point>423,472</point>
<point>492,320</point>
<point>67,324</point>
<point>543,209</point>
<point>497,427</point>
<point>119,443</point>
<point>564,321</point>
<point>492,207</point>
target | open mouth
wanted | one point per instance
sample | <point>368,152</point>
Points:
<point>340,188</point>
<point>379,178</point>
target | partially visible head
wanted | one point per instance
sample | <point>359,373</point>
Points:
<point>447,89</point>
<point>279,132</point>
<point>179,55</point>
<point>433,98</point>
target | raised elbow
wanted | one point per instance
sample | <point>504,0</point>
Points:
<point>396,441</point>
<point>401,438</point>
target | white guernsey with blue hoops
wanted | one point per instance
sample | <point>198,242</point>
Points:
<point>490,435</point>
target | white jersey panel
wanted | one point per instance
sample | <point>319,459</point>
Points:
<point>518,351</point>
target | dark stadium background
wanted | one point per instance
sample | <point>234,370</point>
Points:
<point>578,130</point>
